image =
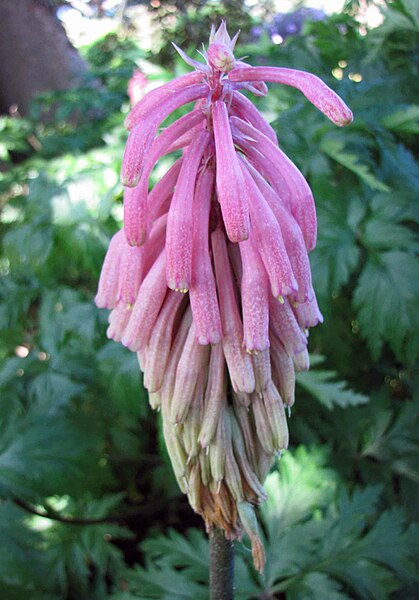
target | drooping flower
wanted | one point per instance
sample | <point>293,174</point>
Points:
<point>209,281</point>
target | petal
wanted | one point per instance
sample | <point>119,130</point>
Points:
<point>292,236</point>
<point>247,111</point>
<point>217,452</point>
<point>263,428</point>
<point>269,241</point>
<point>118,321</point>
<point>246,425</point>
<point>193,361</point>
<point>283,373</point>
<point>158,348</point>
<point>109,282</point>
<point>153,97</point>
<point>301,198</point>
<point>160,196</point>
<point>176,350</point>
<point>131,273</point>
<point>142,135</point>
<point>301,361</point>
<point>313,88</point>
<point>162,144</point>
<point>244,461</point>
<point>147,306</point>
<point>202,293</point>
<point>238,361</point>
<point>276,415</point>
<point>257,88</point>
<point>308,313</point>
<point>135,199</point>
<point>263,166</point>
<point>135,215</point>
<point>232,475</point>
<point>230,186</point>
<point>284,325</point>
<point>215,395</point>
<point>255,299</point>
<point>154,244</point>
<point>262,367</point>
<point>180,220</point>
<point>139,140</point>
<point>248,518</point>
<point>189,433</point>
<point>187,138</point>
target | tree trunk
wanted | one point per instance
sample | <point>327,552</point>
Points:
<point>35,54</point>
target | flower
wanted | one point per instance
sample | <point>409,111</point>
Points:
<point>209,281</point>
<point>137,86</point>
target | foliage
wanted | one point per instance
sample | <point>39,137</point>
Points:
<point>193,21</point>
<point>89,508</point>
<point>321,543</point>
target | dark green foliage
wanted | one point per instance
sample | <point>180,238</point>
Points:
<point>193,22</point>
<point>320,542</point>
<point>89,508</point>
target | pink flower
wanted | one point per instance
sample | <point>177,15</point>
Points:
<point>210,283</point>
<point>137,86</point>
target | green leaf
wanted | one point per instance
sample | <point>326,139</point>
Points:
<point>404,120</point>
<point>381,234</point>
<point>38,449</point>
<point>385,299</point>
<point>335,148</point>
<point>164,584</point>
<point>65,316</point>
<point>174,550</point>
<point>352,543</point>
<point>51,391</point>
<point>119,374</point>
<point>303,482</point>
<point>82,557</point>
<point>410,9</point>
<point>28,246</point>
<point>316,586</point>
<point>392,439</point>
<point>337,253</point>
<point>387,225</point>
<point>23,568</point>
<point>322,385</point>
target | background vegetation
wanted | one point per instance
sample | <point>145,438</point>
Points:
<point>89,507</point>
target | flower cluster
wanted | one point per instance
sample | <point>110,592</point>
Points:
<point>209,281</point>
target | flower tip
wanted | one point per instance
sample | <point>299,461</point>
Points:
<point>221,57</point>
<point>258,555</point>
<point>99,301</point>
<point>212,337</point>
<point>176,286</point>
<point>127,122</point>
<point>128,180</point>
<point>237,235</point>
<point>346,119</point>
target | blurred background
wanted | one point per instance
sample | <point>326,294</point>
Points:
<point>89,508</point>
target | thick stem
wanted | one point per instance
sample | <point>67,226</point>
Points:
<point>221,567</point>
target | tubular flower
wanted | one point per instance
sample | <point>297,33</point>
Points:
<point>209,282</point>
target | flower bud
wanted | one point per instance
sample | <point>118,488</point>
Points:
<point>220,57</point>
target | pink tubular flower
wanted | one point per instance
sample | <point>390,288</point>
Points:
<point>209,281</point>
